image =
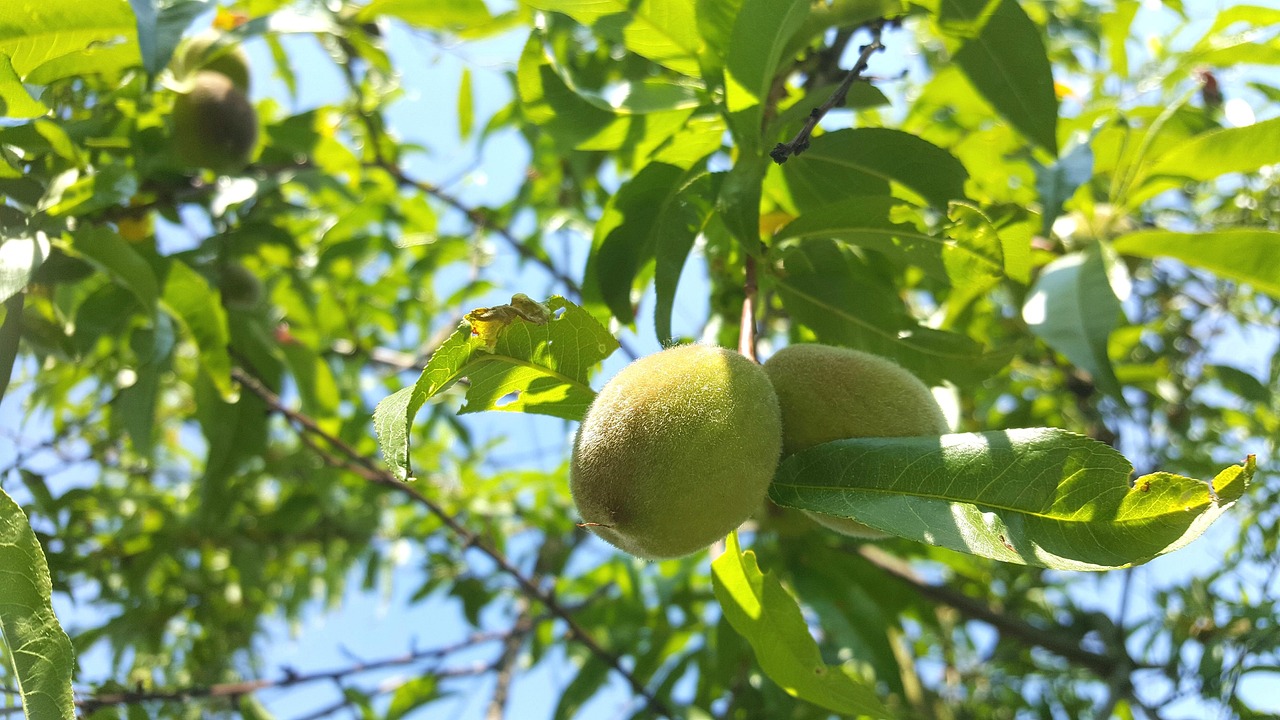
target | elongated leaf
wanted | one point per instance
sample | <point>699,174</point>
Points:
<point>41,651</point>
<point>160,27</point>
<point>541,368</point>
<point>838,296</point>
<point>19,258</point>
<point>760,33</point>
<point>453,15</point>
<point>1244,254</point>
<point>10,335</point>
<point>974,257</point>
<point>412,695</point>
<point>196,307</point>
<point>765,614</point>
<point>33,32</point>
<point>15,101</point>
<point>863,161</point>
<point>677,229</point>
<point>115,256</point>
<point>1208,155</point>
<point>1073,308</point>
<point>1006,61</point>
<point>1036,496</point>
<point>1058,181</point>
<point>665,31</point>
<point>871,222</point>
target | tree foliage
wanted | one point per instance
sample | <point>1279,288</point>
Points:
<point>239,397</point>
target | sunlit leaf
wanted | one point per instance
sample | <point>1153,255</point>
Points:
<point>768,617</point>
<point>39,649</point>
<point>1073,307</point>
<point>760,33</point>
<point>1244,254</point>
<point>1037,496</point>
<point>665,31</point>
<point>532,368</point>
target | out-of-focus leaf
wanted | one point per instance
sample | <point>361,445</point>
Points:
<point>1073,307</point>
<point>974,255</point>
<point>1218,152</point>
<point>19,258</point>
<point>1115,30</point>
<point>738,201</point>
<point>1004,57</point>
<point>768,617</point>
<point>160,27</point>
<point>862,161</point>
<point>1035,496</point>
<point>466,105</point>
<point>106,187</point>
<point>15,101</point>
<point>411,696</point>
<point>115,256</point>
<point>1242,383</point>
<point>837,295</point>
<point>1245,254</point>
<point>33,32</point>
<point>534,368</point>
<point>1058,181</point>
<point>196,307</point>
<point>586,683</point>
<point>452,16</point>
<point>760,33</point>
<point>41,652</point>
<point>10,335</point>
<point>665,31</point>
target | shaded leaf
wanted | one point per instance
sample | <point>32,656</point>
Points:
<point>768,617</point>
<point>41,652</point>
<point>1058,181</point>
<point>115,256</point>
<point>1035,496</point>
<point>196,307</point>
<point>871,222</point>
<point>862,161</point>
<point>1006,62</point>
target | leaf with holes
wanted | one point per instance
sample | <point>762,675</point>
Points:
<point>533,367</point>
<point>1034,496</point>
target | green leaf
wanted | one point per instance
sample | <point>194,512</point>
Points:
<point>1115,30</point>
<point>1035,496</point>
<point>665,31</point>
<point>15,101</point>
<point>1058,181</point>
<point>1073,308</point>
<point>160,27</point>
<point>115,256</point>
<point>591,676</point>
<point>10,335</point>
<point>1006,61</point>
<point>546,367</point>
<point>974,257</point>
<point>1230,150</point>
<point>768,617</point>
<point>845,302</point>
<point>870,222</point>
<point>676,231</point>
<point>466,105</point>
<point>33,32</point>
<point>412,695</point>
<point>41,652</point>
<point>19,258</point>
<point>454,15</point>
<point>1242,383</point>
<point>738,202</point>
<point>1243,254</point>
<point>760,33</point>
<point>863,161</point>
<point>196,307</point>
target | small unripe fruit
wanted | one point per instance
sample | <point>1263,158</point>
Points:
<point>676,451</point>
<point>831,393</point>
<point>214,125</point>
<point>205,52</point>
<point>239,287</point>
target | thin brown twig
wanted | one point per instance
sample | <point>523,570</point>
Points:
<point>506,667</point>
<point>290,678</point>
<point>1104,665</point>
<point>371,471</point>
<point>800,142</point>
